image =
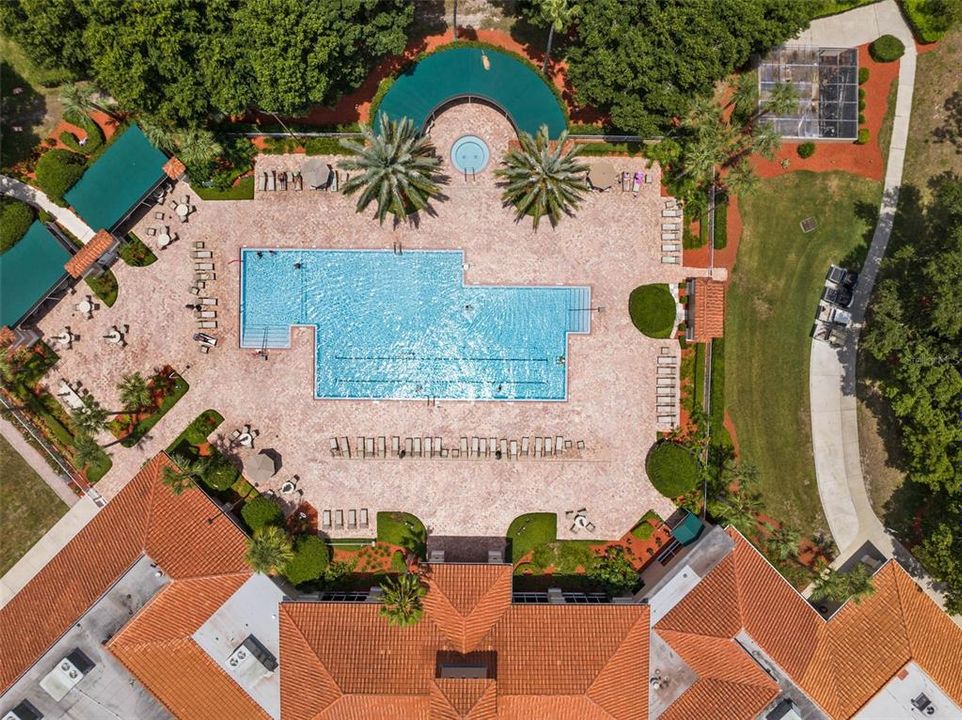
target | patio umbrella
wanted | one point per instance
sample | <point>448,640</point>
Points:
<point>602,175</point>
<point>260,468</point>
<point>316,173</point>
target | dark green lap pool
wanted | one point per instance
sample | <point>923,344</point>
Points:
<point>446,75</point>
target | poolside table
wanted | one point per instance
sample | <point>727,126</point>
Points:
<point>163,240</point>
<point>182,211</point>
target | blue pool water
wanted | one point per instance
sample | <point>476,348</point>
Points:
<point>469,153</point>
<point>406,326</point>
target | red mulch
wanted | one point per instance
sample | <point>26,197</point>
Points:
<point>366,558</point>
<point>108,126</point>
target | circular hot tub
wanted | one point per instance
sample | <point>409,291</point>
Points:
<point>469,154</point>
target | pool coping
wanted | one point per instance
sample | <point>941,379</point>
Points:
<point>464,266</point>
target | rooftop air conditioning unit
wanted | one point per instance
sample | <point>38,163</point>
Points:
<point>23,711</point>
<point>65,676</point>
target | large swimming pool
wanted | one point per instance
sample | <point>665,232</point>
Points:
<point>406,326</point>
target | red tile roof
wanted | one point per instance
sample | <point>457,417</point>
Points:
<point>551,661</point>
<point>174,169</point>
<point>90,253</point>
<point>203,560</point>
<point>841,663</point>
<point>708,313</point>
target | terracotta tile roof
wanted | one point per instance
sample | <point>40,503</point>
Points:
<point>841,663</point>
<point>90,253</point>
<point>174,169</point>
<point>591,661</point>
<point>143,518</point>
<point>708,315</point>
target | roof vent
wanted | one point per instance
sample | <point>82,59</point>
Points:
<point>68,672</point>
<point>249,654</point>
<point>23,711</point>
<point>922,702</point>
<point>555,596</point>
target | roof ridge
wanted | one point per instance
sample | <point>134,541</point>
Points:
<point>294,624</point>
<point>630,635</point>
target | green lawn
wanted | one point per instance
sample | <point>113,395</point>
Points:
<point>104,286</point>
<point>402,529</point>
<point>28,508</point>
<point>528,531</point>
<point>772,302</point>
<point>243,190</point>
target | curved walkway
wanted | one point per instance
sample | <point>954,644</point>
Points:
<point>64,217</point>
<point>832,381</point>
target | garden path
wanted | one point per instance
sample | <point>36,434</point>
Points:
<point>65,217</point>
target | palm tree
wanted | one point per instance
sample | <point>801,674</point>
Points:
<point>741,179</point>
<point>158,136</point>
<point>90,418</point>
<point>180,477</point>
<point>77,99</point>
<point>86,451</point>
<point>744,98</point>
<point>196,146</point>
<point>396,167</point>
<point>134,392</point>
<point>838,587</point>
<point>783,543</point>
<point>401,600</point>
<point>782,100</point>
<point>269,550</point>
<point>541,180</point>
<point>765,140</point>
<point>558,14</point>
<point>738,508</point>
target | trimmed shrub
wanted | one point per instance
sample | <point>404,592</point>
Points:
<point>15,219</point>
<point>806,150</point>
<point>887,48</point>
<point>862,136</point>
<point>652,310</point>
<point>863,74</point>
<point>221,475</point>
<point>94,137</point>
<point>57,171</point>
<point>133,252</point>
<point>672,469</point>
<point>861,118</point>
<point>311,556</point>
<point>261,511</point>
<point>721,225</point>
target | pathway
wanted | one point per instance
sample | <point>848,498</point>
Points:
<point>35,460</point>
<point>65,217</point>
<point>838,466</point>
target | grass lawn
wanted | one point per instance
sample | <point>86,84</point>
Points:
<point>104,287</point>
<point>528,531</point>
<point>402,529</point>
<point>28,508</point>
<point>772,302</point>
<point>652,310</point>
<point>243,190</point>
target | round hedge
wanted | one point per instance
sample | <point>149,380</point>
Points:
<point>261,511</point>
<point>15,219</point>
<point>221,475</point>
<point>806,150</point>
<point>652,310</point>
<point>886,49</point>
<point>672,469</point>
<point>57,171</point>
<point>310,559</point>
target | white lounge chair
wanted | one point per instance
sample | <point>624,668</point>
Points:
<point>202,254</point>
<point>326,520</point>
<point>362,518</point>
<point>207,324</point>
<point>352,519</point>
<point>204,266</point>
<point>338,519</point>
<point>206,314</point>
<point>670,260</point>
<point>208,301</point>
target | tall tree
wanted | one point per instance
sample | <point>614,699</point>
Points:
<point>401,600</point>
<point>50,31</point>
<point>741,179</point>
<point>541,179</point>
<point>86,451</point>
<point>856,585</point>
<point>269,550</point>
<point>185,475</point>
<point>397,169</point>
<point>134,392</point>
<point>559,15</point>
<point>783,542</point>
<point>90,418</point>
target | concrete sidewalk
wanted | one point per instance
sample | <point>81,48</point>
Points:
<point>64,217</point>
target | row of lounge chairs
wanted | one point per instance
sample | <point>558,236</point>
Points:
<point>273,180</point>
<point>203,274</point>
<point>632,182</point>
<point>666,389</point>
<point>356,519</point>
<point>477,447</point>
<point>671,232</point>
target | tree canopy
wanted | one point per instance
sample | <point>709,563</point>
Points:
<point>643,60</point>
<point>182,60</point>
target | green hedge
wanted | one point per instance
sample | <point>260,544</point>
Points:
<point>199,429</point>
<point>95,137</point>
<point>57,171</point>
<point>863,74</point>
<point>382,89</point>
<point>719,435</point>
<point>806,150</point>
<point>652,310</point>
<point>721,225</point>
<point>311,556</point>
<point>863,136</point>
<point>601,149</point>
<point>929,20</point>
<point>672,469</point>
<point>221,475</point>
<point>887,48</point>
<point>120,423</point>
<point>261,511</point>
<point>15,219</point>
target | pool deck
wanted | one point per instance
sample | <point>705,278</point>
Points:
<point>612,245</point>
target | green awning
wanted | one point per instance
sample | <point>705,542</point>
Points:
<point>129,168</point>
<point>513,85</point>
<point>28,271</point>
<point>688,530</point>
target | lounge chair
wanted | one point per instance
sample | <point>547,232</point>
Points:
<point>381,443</point>
<point>559,443</point>
<point>667,360</point>
<point>474,446</point>
<point>670,260</point>
<point>549,446</point>
<point>345,446</point>
<point>524,445</point>
<point>416,452</point>
<point>208,301</point>
<point>204,349</point>
<point>666,419</point>
<point>409,447</point>
<point>282,181</point>
<point>201,254</point>
<point>581,444</point>
<point>334,451</point>
<point>199,244</point>
<point>666,371</point>
<point>463,447</point>
<point>666,381</point>
<point>492,445</point>
<point>151,231</point>
<point>272,184</point>
<point>636,182</point>
<point>207,324</point>
<point>351,518</point>
<point>194,290</point>
<point>670,247</point>
<point>671,226</point>
<point>438,450</point>
<point>483,447</point>
<point>369,447</point>
<point>362,518</point>
<point>326,520</point>
<point>204,266</point>
<point>338,519</point>
<point>208,314</point>
<point>429,447</point>
<point>514,448</point>
<point>665,390</point>
<point>395,446</point>
<point>503,447</point>
<point>538,446</point>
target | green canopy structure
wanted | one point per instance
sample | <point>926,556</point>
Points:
<point>475,73</point>
<point>119,179</point>
<point>29,271</point>
<point>688,530</point>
